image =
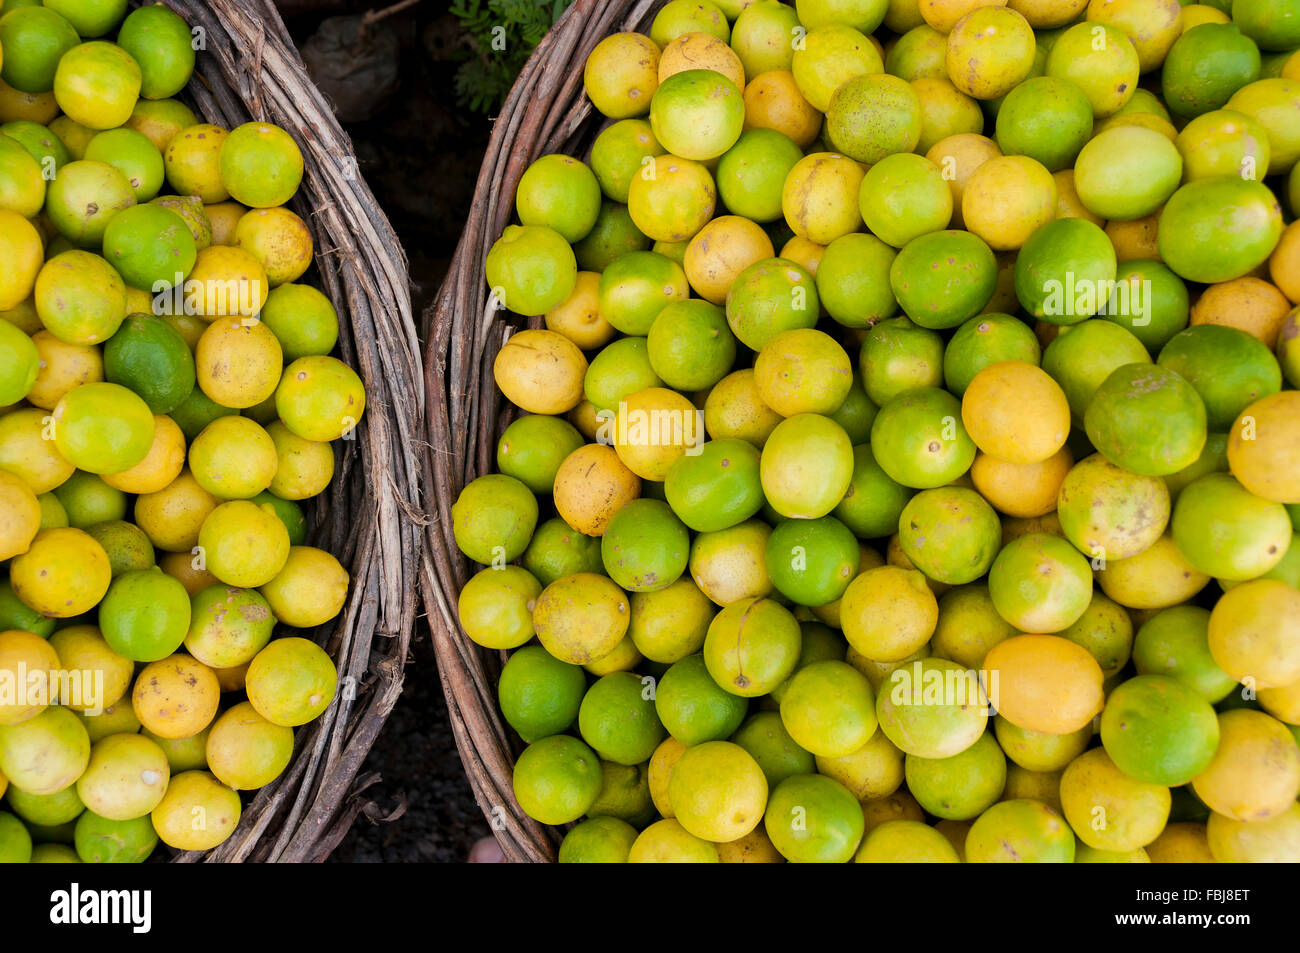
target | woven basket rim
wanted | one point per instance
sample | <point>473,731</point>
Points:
<point>370,517</point>
<point>546,111</point>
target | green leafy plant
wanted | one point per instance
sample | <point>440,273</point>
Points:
<point>499,36</point>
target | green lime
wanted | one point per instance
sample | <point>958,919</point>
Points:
<point>531,269</point>
<point>768,297</point>
<point>969,625</point>
<point>613,236</point>
<point>983,340</point>
<point>127,545</point>
<point>920,53</point>
<point>196,411</point>
<point>697,114</point>
<point>919,440</point>
<point>950,533</point>
<point>160,41</point>
<point>1218,229</point>
<point>962,786</point>
<point>1273,24</point>
<point>944,278</point>
<point>103,841</point>
<point>692,706</point>
<point>621,368</point>
<point>1096,58</point>
<point>752,646</point>
<point>635,287</point>
<point>857,413</point>
<point>1106,631</point>
<point>1146,419</point>
<point>532,448</point>
<point>302,319</point>
<point>496,607</point>
<point>559,192</point>
<point>853,280</point>
<point>88,500</point>
<point>228,626</point>
<point>751,174</point>
<point>16,614</point>
<point>778,755</point>
<point>1149,300</point>
<point>1047,119</point>
<point>818,643</point>
<point>1083,355</point>
<point>898,356</point>
<point>145,615</point>
<point>1229,368</point>
<point>619,153</point>
<point>806,466</point>
<point>617,718</point>
<point>1040,583</point>
<point>904,196</point>
<point>34,40</point>
<point>556,779</point>
<point>1175,642</point>
<point>1205,66</point>
<point>1223,142</point>
<point>493,518</point>
<point>761,36</point>
<point>45,147</point>
<point>1020,831</point>
<point>19,364</point>
<point>558,550</point>
<point>874,501</point>
<point>132,154</point>
<point>1109,513</point>
<point>814,819</point>
<point>598,840</point>
<point>872,116</point>
<point>1127,172</point>
<point>539,695</point>
<point>717,487</point>
<point>91,18</point>
<point>150,357</point>
<point>84,197</point>
<point>829,709</point>
<point>690,345</point>
<point>47,810</point>
<point>645,547</point>
<point>15,841</point>
<point>1065,271</point>
<point>624,794</point>
<point>1159,730</point>
<point>812,561</point>
<point>1228,532</point>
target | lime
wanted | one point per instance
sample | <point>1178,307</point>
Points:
<point>539,695</point>
<point>126,544</point>
<point>806,466</point>
<point>617,718</point>
<point>1147,419</point>
<point>983,340</point>
<point>636,287</point>
<point>803,371</point>
<point>103,428</point>
<point>814,819</point>
<point>969,625</point>
<point>493,517</point>
<point>161,43</point>
<point>1040,583</point>
<point>1226,531</point>
<point>1158,729</point>
<point>20,360</point>
<point>151,358</point>
<point>1218,228</point>
<point>145,615</point>
<point>905,841</point>
<point>34,39</point>
<point>1205,66</point>
<point>1085,354</point>
<point>496,607</point>
<point>556,779</point>
<point>1047,119</point>
<point>532,448</point>
<point>761,35</point>
<point>80,298</point>
<point>621,368</point>
<point>303,320</point>
<point>692,706</point>
<point>561,193</point>
<point>16,614</point>
<point>717,487</point>
<point>697,114</point>
<point>558,550</point>
<point>1101,60</point>
<point>1127,172</point>
<point>45,147</point>
<point>718,792</point>
<point>919,440</point>
<point>752,646</point>
<point>619,154</point>
<point>598,840</point>
<point>1223,142</point>
<point>853,280</point>
<point>690,345</point>
<point>1150,300</point>
<point>829,709</point>
<point>1020,831</point>
<point>872,116</point>
<point>943,278</point>
<point>228,626</point>
<point>196,411</point>
<point>897,355</point>
<point>829,57</point>
<point>531,269</point>
<point>751,174</point>
<point>856,414</point>
<point>812,561</point>
<point>151,247</point>
<point>769,297</point>
<point>962,786</point>
<point>88,500</point>
<point>97,84</point>
<point>103,841</point>
<point>950,533</point>
<point>1065,271</point>
<point>84,197</point>
<point>1109,513</point>
<point>614,234</point>
<point>1228,368</point>
<point>132,154</point>
<point>905,196</point>
<point>645,547</point>
<point>778,755</point>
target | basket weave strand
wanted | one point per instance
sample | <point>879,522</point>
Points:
<point>545,112</point>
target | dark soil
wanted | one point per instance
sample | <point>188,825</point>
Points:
<point>420,153</point>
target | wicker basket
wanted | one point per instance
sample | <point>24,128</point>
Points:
<point>369,516</point>
<point>545,112</point>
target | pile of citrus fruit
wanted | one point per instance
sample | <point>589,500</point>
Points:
<point>167,401</point>
<point>911,460</point>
